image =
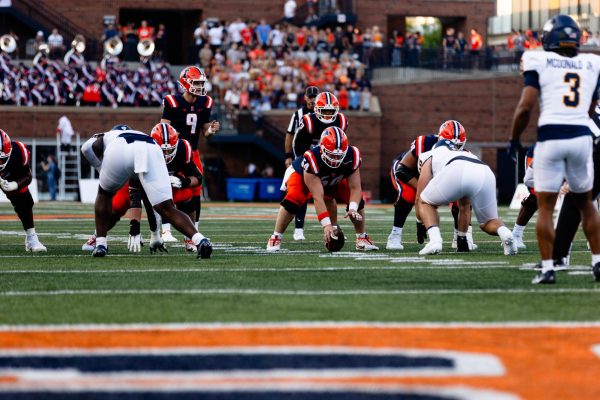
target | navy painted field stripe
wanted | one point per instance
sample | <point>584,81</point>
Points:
<point>212,395</point>
<point>224,362</point>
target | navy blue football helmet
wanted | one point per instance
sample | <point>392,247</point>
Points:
<point>120,127</point>
<point>561,32</point>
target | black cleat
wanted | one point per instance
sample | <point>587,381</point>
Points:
<point>544,278</point>
<point>100,251</point>
<point>596,272</point>
<point>462,244</point>
<point>421,233</point>
<point>204,248</point>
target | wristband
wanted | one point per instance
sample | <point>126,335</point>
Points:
<point>185,182</point>
<point>324,218</point>
<point>353,206</point>
<point>289,155</point>
<point>325,221</point>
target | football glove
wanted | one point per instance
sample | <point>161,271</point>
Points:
<point>8,186</point>
<point>175,182</point>
<point>134,244</point>
<point>156,242</point>
<point>353,215</point>
<point>514,149</point>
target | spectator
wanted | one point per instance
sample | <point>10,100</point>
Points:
<point>144,31</point>
<point>56,44</point>
<point>38,41</point>
<point>160,42</point>
<point>215,37</point>
<point>50,168</point>
<point>65,131</point>
<point>109,32</point>
<point>476,44</point>
<point>365,99</point>
<point>235,31</point>
<point>200,37</point>
<point>268,172</point>
<point>354,97</point>
<point>343,98</point>
<point>461,48</point>
<point>251,171</point>
<point>519,43</point>
<point>289,11</point>
<point>262,32</point>
<point>130,36</point>
<point>449,46</point>
<point>205,55</point>
<point>276,37</point>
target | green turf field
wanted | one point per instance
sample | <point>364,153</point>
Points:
<point>302,283</point>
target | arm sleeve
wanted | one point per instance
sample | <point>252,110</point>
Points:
<point>532,78</point>
<point>292,125</point>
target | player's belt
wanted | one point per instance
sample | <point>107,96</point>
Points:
<point>136,137</point>
<point>465,158</point>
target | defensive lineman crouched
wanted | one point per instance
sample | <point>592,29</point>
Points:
<point>328,172</point>
<point>15,177</point>
<point>121,155</point>
<point>449,173</point>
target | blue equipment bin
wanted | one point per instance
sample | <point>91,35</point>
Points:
<point>241,189</point>
<point>268,189</point>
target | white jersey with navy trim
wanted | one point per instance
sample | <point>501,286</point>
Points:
<point>567,87</point>
<point>441,156</point>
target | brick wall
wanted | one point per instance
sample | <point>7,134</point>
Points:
<point>485,107</point>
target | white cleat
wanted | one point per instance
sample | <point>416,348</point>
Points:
<point>167,237</point>
<point>510,246</point>
<point>90,245</point>
<point>365,244</point>
<point>431,248</point>
<point>299,234</point>
<point>519,243</point>
<point>34,245</point>
<point>394,242</point>
<point>189,245</point>
<point>274,244</point>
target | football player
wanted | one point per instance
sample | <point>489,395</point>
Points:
<point>329,172</point>
<point>566,84</point>
<point>310,96</point>
<point>15,177</point>
<point>189,114</point>
<point>404,175</point>
<point>448,173</point>
<point>183,173</point>
<point>122,155</point>
<point>529,203</point>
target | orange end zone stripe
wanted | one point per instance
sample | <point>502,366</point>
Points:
<point>540,362</point>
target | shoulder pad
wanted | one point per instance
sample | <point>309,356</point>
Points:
<point>188,150</point>
<point>24,151</point>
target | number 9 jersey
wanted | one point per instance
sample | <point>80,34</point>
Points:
<point>567,86</point>
<point>188,118</point>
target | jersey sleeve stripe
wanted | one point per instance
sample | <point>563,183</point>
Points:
<point>356,158</point>
<point>188,151</point>
<point>344,122</point>
<point>209,102</point>
<point>25,153</point>
<point>313,162</point>
<point>420,144</point>
<point>172,101</point>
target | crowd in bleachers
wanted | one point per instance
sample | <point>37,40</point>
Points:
<point>50,82</point>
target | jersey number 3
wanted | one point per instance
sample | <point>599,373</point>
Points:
<point>572,100</point>
<point>191,120</point>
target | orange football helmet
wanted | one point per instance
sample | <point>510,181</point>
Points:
<point>167,138</point>
<point>327,107</point>
<point>454,132</point>
<point>334,146</point>
<point>193,80</point>
<point>5,149</point>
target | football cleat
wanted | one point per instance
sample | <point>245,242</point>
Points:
<point>100,251</point>
<point>421,233</point>
<point>431,248</point>
<point>519,243</point>
<point>167,237</point>
<point>299,234</point>
<point>364,243</point>
<point>547,277</point>
<point>189,245</point>
<point>34,245</point>
<point>90,245</point>
<point>274,243</point>
<point>510,247</point>
<point>596,272</point>
<point>462,244</point>
<point>394,242</point>
<point>204,248</point>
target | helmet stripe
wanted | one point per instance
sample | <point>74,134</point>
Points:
<point>165,133</point>
<point>338,138</point>
<point>2,141</point>
<point>456,130</point>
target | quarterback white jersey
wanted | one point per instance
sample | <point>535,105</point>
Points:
<point>567,85</point>
<point>441,155</point>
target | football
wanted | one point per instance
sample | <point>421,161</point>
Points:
<point>336,244</point>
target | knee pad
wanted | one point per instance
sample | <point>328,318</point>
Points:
<point>290,206</point>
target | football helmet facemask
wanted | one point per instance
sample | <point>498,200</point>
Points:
<point>454,132</point>
<point>334,146</point>
<point>327,107</point>
<point>167,138</point>
<point>193,80</point>
<point>5,149</point>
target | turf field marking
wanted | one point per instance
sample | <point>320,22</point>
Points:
<point>110,292</point>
